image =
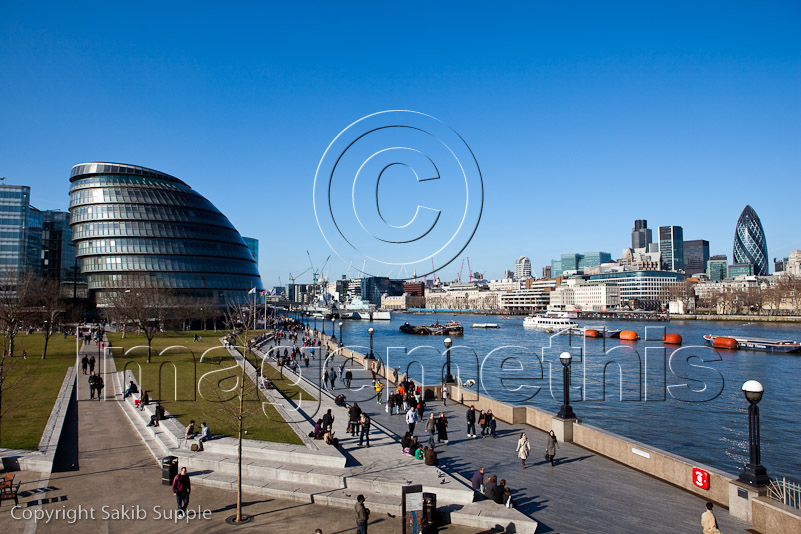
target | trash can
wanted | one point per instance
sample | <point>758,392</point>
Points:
<point>430,524</point>
<point>169,469</point>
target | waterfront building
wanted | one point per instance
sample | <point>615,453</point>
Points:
<point>373,287</point>
<point>793,263</point>
<point>696,254</point>
<point>546,271</point>
<point>717,268</point>
<point>533,299</point>
<point>671,246</point>
<point>750,243</point>
<point>402,302</point>
<point>575,294</point>
<point>505,284</point>
<point>741,269</point>
<point>640,234</point>
<point>645,289</point>
<point>415,289</point>
<point>522,268</point>
<point>462,297</point>
<point>574,263</point>
<point>253,245</point>
<point>135,227</point>
<point>20,232</point>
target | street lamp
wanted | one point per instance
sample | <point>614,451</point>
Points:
<point>371,332</point>
<point>448,376</point>
<point>754,474</point>
<point>340,332</point>
<point>566,412</point>
<point>334,330</point>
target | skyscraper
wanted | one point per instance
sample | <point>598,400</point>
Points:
<point>522,268</point>
<point>696,254</point>
<point>640,234</point>
<point>671,245</point>
<point>750,244</point>
<point>717,268</point>
<point>20,232</point>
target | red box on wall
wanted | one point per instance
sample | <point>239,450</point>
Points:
<point>700,478</point>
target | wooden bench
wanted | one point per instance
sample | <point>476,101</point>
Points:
<point>10,492</point>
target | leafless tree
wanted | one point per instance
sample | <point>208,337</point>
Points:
<point>146,308</point>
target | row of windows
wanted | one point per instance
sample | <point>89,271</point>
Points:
<point>146,213</point>
<point>5,193</point>
<point>140,196</point>
<point>162,246</point>
<point>12,208</point>
<point>154,229</point>
<point>112,168</point>
<point>167,263</point>
<point>175,280</point>
<point>94,181</point>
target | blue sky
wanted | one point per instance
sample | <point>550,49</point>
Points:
<point>582,116</point>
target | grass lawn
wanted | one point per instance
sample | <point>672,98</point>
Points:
<point>33,397</point>
<point>203,371</point>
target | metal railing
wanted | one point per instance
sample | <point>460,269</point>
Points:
<point>785,491</point>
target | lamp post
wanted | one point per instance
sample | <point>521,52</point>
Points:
<point>566,412</point>
<point>371,332</point>
<point>315,323</point>
<point>754,473</point>
<point>340,333</point>
<point>334,330</point>
<point>448,376</point>
<point>323,321</point>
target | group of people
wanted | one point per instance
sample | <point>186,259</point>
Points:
<point>492,489</point>
<point>411,445</point>
<point>205,433</point>
<point>95,386</point>
<point>88,363</point>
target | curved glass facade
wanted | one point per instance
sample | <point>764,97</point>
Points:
<point>750,244</point>
<point>137,227</point>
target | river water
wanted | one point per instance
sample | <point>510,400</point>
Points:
<point>689,403</point>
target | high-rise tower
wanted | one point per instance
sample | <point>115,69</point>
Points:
<point>750,244</point>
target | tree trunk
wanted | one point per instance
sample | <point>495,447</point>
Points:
<point>239,451</point>
<point>44,349</point>
<point>149,341</point>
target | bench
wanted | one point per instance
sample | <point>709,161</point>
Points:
<point>10,492</point>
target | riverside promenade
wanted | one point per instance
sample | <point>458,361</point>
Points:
<point>583,493</point>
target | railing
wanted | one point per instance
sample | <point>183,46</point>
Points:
<point>785,491</point>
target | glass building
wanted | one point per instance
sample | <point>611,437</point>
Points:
<point>750,244</point>
<point>578,262</point>
<point>717,268</point>
<point>671,245</point>
<point>253,246</point>
<point>696,254</point>
<point>375,286</point>
<point>137,227</point>
<point>20,232</point>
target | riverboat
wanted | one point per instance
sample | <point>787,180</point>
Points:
<point>592,332</point>
<point>549,322</point>
<point>752,343</point>
<point>451,328</point>
<point>485,325</point>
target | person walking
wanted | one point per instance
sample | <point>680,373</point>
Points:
<point>348,378</point>
<point>411,419</point>
<point>431,428</point>
<point>379,392</point>
<point>326,377</point>
<point>445,394</point>
<point>181,488</point>
<point>333,376</point>
<point>442,428</point>
<point>84,363</point>
<point>471,422</point>
<point>364,422</point>
<point>92,385</point>
<point>355,417</point>
<point>92,364</point>
<point>493,425</point>
<point>523,449</point>
<point>708,520</point>
<point>550,447</point>
<point>362,515</point>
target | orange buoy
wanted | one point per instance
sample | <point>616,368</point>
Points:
<point>591,333</point>
<point>629,335</point>
<point>725,343</point>
<point>672,339</point>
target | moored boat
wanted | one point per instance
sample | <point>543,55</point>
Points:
<point>549,321</point>
<point>599,332</point>
<point>451,328</point>
<point>752,343</point>
<point>485,325</point>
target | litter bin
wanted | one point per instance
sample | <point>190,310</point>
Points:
<point>169,469</point>
<point>430,524</point>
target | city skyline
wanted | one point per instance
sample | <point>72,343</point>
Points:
<point>580,124</point>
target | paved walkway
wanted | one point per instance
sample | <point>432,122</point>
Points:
<point>583,493</point>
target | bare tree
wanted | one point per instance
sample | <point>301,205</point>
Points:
<point>146,308</point>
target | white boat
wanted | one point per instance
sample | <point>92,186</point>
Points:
<point>382,316</point>
<point>485,325</point>
<point>549,321</point>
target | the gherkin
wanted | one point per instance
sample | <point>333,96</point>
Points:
<point>750,244</point>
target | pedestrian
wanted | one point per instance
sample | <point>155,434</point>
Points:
<point>379,392</point>
<point>442,428</point>
<point>365,433</point>
<point>92,364</point>
<point>478,480</point>
<point>391,403</point>
<point>550,447</point>
<point>181,488</point>
<point>431,428</point>
<point>482,422</point>
<point>708,521</point>
<point>471,422</point>
<point>523,448</point>
<point>445,394</point>
<point>333,376</point>
<point>493,425</point>
<point>362,515</point>
<point>92,385</point>
<point>355,417</point>
<point>411,419</point>
<point>348,378</point>
<point>325,378</point>
<point>84,363</point>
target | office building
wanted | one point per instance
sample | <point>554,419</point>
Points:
<point>522,268</point>
<point>640,234</point>
<point>20,232</point>
<point>546,271</point>
<point>136,227</point>
<point>671,246</point>
<point>717,268</point>
<point>793,263</point>
<point>750,244</point>
<point>696,254</point>
<point>415,289</point>
<point>576,294</point>
<point>373,287</point>
<point>253,245</point>
<point>572,263</point>
<point>648,290</point>
<point>741,269</point>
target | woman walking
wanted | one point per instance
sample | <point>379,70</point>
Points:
<point>523,448</point>
<point>550,448</point>
<point>442,429</point>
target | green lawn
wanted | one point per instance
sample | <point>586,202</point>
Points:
<point>33,385</point>
<point>208,365</point>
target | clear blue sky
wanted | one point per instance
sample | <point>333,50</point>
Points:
<point>583,115</point>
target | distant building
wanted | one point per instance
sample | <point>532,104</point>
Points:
<point>750,243</point>
<point>640,259</point>
<point>402,302</point>
<point>650,289</point>
<point>522,268</point>
<point>505,284</point>
<point>535,298</point>
<point>415,289</point>
<point>671,245</point>
<point>374,287</point>
<point>793,265</point>
<point>696,254</point>
<point>717,268</point>
<point>741,269</point>
<point>640,234</point>
<point>462,297</point>
<point>508,274</point>
<point>578,295</point>
<point>571,263</point>
<point>778,265</point>
<point>253,245</point>
<point>546,271</point>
